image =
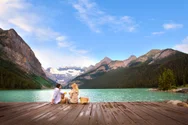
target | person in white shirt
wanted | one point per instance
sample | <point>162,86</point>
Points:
<point>57,95</point>
<point>74,93</point>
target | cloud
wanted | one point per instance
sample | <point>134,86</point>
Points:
<point>17,14</point>
<point>172,26</point>
<point>185,40</point>
<point>90,14</point>
<point>78,51</point>
<point>158,33</point>
<point>21,23</point>
<point>183,46</point>
<point>50,58</point>
<point>168,27</point>
<point>26,20</point>
<point>127,19</point>
<point>61,38</point>
<point>62,42</point>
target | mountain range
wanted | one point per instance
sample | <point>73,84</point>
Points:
<point>20,69</point>
<point>63,75</point>
<point>135,71</point>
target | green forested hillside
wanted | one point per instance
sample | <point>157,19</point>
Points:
<point>139,75</point>
<point>11,77</point>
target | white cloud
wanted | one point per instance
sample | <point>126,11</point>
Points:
<point>158,33</point>
<point>185,40</point>
<point>127,19</point>
<point>77,51</point>
<point>63,44</point>
<point>89,13</point>
<point>168,27</point>
<point>21,23</point>
<point>50,58</point>
<point>62,41</point>
<point>46,34</point>
<point>17,14</point>
<point>182,46</point>
<point>60,38</point>
<point>172,26</point>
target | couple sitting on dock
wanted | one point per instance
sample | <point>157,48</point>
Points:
<point>59,97</point>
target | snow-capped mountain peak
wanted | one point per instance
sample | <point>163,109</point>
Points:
<point>64,74</point>
<point>73,72</point>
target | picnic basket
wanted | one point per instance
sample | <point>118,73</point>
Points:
<point>84,100</point>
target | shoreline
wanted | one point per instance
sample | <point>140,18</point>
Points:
<point>178,90</point>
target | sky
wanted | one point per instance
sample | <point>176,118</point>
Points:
<point>83,32</point>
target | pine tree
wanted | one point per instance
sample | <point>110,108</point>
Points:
<point>166,80</point>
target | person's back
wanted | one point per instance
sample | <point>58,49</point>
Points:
<point>56,95</point>
<point>74,96</point>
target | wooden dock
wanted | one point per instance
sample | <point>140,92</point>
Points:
<point>104,113</point>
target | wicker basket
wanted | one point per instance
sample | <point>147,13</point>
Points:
<point>84,100</point>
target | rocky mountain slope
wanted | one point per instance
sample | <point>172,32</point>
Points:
<point>130,59</point>
<point>19,64</point>
<point>17,51</point>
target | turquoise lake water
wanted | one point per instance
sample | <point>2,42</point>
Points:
<point>95,95</point>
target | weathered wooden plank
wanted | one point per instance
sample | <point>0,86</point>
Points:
<point>96,116</point>
<point>169,107</point>
<point>12,106</point>
<point>178,109</point>
<point>9,114</point>
<point>26,116</point>
<point>4,106</point>
<point>39,116</point>
<point>119,115</point>
<point>10,103</point>
<point>143,114</point>
<point>108,116</point>
<point>170,113</point>
<point>49,114</point>
<point>146,110</point>
<point>71,116</point>
<point>158,116</point>
<point>60,115</point>
<point>133,116</point>
<point>84,116</point>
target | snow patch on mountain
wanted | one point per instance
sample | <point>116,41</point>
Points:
<point>63,75</point>
<point>72,72</point>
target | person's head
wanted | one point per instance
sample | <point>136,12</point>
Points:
<point>58,86</point>
<point>75,86</point>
